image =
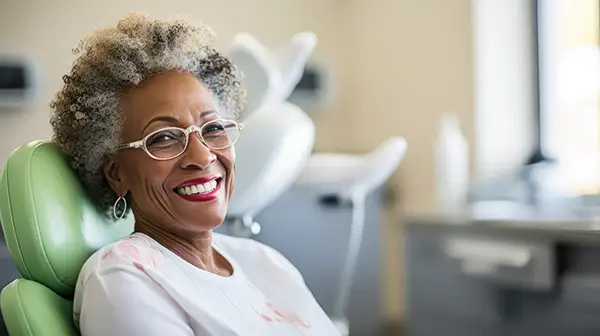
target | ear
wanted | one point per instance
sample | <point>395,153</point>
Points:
<point>114,175</point>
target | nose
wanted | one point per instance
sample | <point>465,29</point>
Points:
<point>196,155</point>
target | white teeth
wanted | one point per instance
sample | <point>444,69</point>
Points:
<point>198,188</point>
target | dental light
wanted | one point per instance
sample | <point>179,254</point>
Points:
<point>278,136</point>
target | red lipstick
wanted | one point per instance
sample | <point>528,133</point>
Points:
<point>200,197</point>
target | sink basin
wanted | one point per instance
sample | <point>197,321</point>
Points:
<point>342,174</point>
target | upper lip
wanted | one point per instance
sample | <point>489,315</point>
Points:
<point>196,181</point>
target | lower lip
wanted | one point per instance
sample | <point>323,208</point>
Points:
<point>203,197</point>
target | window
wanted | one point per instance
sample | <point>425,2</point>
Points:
<point>568,58</point>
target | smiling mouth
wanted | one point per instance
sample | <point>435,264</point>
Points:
<point>199,189</point>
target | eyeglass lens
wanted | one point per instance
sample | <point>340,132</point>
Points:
<point>171,142</point>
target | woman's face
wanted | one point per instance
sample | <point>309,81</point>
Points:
<point>172,99</point>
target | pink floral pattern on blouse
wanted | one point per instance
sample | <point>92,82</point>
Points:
<point>136,249</point>
<point>130,249</point>
<point>274,315</point>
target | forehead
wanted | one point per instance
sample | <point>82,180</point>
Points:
<point>175,94</point>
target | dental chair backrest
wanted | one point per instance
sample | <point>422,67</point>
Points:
<point>51,228</point>
<point>270,75</point>
<point>276,144</point>
<point>278,136</point>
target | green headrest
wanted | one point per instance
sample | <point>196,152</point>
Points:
<point>49,224</point>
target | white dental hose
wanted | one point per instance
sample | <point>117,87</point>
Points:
<point>358,203</point>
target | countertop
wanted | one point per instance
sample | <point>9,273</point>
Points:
<point>511,220</point>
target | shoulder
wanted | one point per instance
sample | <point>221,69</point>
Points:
<point>134,251</point>
<point>253,254</point>
<point>117,274</point>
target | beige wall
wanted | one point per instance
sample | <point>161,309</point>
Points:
<point>48,30</point>
<point>398,65</point>
<point>412,61</point>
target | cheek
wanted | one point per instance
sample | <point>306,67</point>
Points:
<point>144,174</point>
<point>227,159</point>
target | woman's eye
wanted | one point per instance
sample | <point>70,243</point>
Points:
<point>214,128</point>
<point>162,138</point>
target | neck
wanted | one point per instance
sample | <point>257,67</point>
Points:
<point>196,249</point>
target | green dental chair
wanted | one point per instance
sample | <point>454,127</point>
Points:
<point>50,228</point>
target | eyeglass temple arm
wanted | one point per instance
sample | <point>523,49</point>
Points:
<point>135,144</point>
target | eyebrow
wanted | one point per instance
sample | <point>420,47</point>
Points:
<point>173,120</point>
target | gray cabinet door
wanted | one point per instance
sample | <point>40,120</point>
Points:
<point>436,285</point>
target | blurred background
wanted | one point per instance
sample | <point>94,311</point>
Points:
<point>520,77</point>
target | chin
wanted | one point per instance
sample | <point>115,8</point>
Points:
<point>208,215</point>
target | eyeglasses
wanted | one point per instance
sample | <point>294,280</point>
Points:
<point>170,142</point>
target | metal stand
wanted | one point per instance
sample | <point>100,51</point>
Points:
<point>358,203</point>
<point>245,227</point>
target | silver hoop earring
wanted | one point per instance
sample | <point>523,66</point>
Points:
<point>116,205</point>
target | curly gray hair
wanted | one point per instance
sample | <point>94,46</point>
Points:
<point>86,118</point>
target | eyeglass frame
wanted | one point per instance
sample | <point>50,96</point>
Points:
<point>187,131</point>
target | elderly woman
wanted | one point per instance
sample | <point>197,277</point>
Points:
<point>148,116</point>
